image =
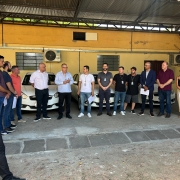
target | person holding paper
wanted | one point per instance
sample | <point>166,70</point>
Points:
<point>119,81</point>
<point>165,78</point>
<point>85,90</point>
<point>147,80</point>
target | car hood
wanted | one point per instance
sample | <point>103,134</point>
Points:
<point>29,90</point>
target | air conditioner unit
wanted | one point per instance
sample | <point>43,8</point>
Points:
<point>176,59</point>
<point>52,56</point>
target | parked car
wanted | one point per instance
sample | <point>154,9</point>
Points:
<point>95,103</point>
<point>29,98</point>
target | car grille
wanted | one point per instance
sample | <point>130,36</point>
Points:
<point>34,97</point>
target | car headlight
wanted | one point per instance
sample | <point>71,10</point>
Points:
<point>24,96</point>
<point>56,95</point>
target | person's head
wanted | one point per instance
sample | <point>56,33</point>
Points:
<point>164,65</point>
<point>147,66</point>
<point>15,70</point>
<point>64,67</point>
<point>121,69</point>
<point>7,66</point>
<point>133,70</point>
<point>85,69</point>
<point>105,66</point>
<point>42,67</point>
<point>1,61</point>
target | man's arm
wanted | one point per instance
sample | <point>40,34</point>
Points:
<point>11,88</point>
<point>92,88</point>
<point>79,87</point>
<point>100,84</point>
<point>111,80</point>
<point>8,93</point>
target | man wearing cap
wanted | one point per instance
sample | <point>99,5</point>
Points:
<point>119,81</point>
<point>133,81</point>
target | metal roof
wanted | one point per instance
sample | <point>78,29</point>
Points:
<point>162,13</point>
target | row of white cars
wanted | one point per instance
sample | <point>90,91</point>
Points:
<point>29,98</point>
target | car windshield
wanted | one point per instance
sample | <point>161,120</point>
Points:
<point>50,81</point>
<point>95,78</point>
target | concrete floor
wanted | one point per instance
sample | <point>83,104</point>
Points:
<point>34,144</point>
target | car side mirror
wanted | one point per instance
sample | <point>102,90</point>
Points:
<point>75,82</point>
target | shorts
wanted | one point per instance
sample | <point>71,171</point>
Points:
<point>133,97</point>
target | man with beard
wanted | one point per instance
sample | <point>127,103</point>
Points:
<point>133,81</point>
<point>8,127</point>
<point>105,80</point>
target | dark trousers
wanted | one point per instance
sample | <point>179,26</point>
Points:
<point>150,98</point>
<point>104,94</point>
<point>42,100</point>
<point>4,168</point>
<point>67,98</point>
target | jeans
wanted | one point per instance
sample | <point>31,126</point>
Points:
<point>7,111</point>
<point>1,112</point>
<point>42,101</point>
<point>165,96</point>
<point>121,96</point>
<point>18,109</point>
<point>150,97</point>
<point>104,94</point>
<point>84,96</point>
<point>67,98</point>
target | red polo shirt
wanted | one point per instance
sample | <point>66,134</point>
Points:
<point>163,77</point>
<point>16,83</point>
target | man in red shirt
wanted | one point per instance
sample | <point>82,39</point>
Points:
<point>164,81</point>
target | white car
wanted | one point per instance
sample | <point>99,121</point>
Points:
<point>29,98</point>
<point>95,103</point>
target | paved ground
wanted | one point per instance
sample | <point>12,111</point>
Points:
<point>119,147</point>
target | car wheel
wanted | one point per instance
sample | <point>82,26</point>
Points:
<point>79,103</point>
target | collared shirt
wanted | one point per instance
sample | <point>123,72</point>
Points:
<point>40,80</point>
<point>60,77</point>
<point>2,83</point>
<point>163,77</point>
<point>16,80</point>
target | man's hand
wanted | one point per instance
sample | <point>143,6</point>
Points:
<point>78,93</point>
<point>161,86</point>
<point>8,95</point>
<point>92,93</point>
<point>145,88</point>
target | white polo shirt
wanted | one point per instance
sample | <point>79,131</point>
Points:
<point>86,82</point>
<point>40,80</point>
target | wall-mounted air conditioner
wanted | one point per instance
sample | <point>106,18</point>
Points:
<point>52,56</point>
<point>176,59</point>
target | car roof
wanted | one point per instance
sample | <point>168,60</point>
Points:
<point>29,73</point>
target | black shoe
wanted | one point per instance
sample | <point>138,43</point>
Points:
<point>59,117</point>
<point>132,111</point>
<point>46,117</point>
<point>37,119</point>
<point>17,178</point>
<point>12,126</point>
<point>68,116</point>
<point>109,114</point>
<point>167,115</point>
<point>151,114</point>
<point>141,113</point>
<point>9,130</point>
<point>99,113</point>
<point>160,114</point>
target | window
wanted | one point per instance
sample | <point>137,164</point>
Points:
<point>28,61</point>
<point>112,60</point>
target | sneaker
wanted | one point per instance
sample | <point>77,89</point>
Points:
<point>122,113</point>
<point>151,114</point>
<point>12,126</point>
<point>68,116</point>
<point>9,130</point>
<point>114,113</point>
<point>46,117</point>
<point>99,113</point>
<point>21,120</point>
<point>13,123</point>
<point>80,115</point>
<point>4,132</point>
<point>37,119</point>
<point>109,114</point>
<point>141,113</point>
<point>160,114</point>
<point>89,115</point>
<point>133,112</point>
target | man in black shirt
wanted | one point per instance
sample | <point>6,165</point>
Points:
<point>119,81</point>
<point>133,81</point>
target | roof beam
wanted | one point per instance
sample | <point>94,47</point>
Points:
<point>77,8</point>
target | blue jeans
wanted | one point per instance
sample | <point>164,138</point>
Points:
<point>7,110</point>
<point>121,96</point>
<point>84,96</point>
<point>1,112</point>
<point>18,109</point>
<point>165,96</point>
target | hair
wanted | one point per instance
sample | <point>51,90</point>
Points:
<point>134,68</point>
<point>87,67</point>
<point>148,63</point>
<point>1,57</point>
<point>14,67</point>
<point>105,63</point>
<point>63,64</point>
<point>41,63</point>
<point>121,67</point>
<point>166,63</point>
<point>6,63</point>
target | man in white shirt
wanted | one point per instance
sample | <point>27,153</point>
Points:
<point>64,80</point>
<point>39,80</point>
<point>85,90</point>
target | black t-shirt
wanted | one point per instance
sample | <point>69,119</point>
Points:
<point>133,87</point>
<point>120,82</point>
